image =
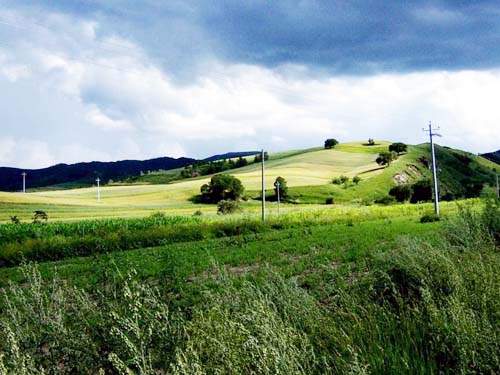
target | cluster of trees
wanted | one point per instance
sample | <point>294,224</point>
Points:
<point>344,180</point>
<point>226,191</point>
<point>420,191</point>
<point>258,157</point>
<point>205,168</point>
<point>222,187</point>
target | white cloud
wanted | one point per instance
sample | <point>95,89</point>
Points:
<point>126,106</point>
<point>103,121</point>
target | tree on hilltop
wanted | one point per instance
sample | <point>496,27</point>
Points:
<point>331,143</point>
<point>398,147</point>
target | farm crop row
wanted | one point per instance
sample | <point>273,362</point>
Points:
<point>54,241</point>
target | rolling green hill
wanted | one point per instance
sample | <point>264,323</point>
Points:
<point>309,175</point>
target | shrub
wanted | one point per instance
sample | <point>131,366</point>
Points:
<point>429,218</point>
<point>371,142</point>
<point>198,213</point>
<point>40,217</point>
<point>226,207</point>
<point>385,200</point>
<point>330,200</point>
<point>356,180</point>
<point>15,220</point>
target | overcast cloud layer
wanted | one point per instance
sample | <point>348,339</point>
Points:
<point>89,81</point>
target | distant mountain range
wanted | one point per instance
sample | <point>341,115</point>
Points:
<point>231,155</point>
<point>85,174</point>
<point>493,156</point>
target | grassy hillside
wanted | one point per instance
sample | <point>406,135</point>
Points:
<point>309,175</point>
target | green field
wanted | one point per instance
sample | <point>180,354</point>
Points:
<point>342,290</point>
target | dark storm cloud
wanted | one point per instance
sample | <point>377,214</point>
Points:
<point>346,37</point>
<point>352,37</point>
<point>359,36</point>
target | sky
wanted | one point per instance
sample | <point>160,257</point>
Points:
<point>84,80</point>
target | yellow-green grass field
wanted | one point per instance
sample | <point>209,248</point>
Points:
<point>310,168</point>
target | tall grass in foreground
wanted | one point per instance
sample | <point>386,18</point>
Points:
<point>420,309</point>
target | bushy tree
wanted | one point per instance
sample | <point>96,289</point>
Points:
<point>222,187</point>
<point>386,158</point>
<point>421,191</point>
<point>283,188</point>
<point>398,147</point>
<point>371,142</point>
<point>401,192</point>
<point>331,143</point>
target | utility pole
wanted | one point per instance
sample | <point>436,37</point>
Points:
<point>98,180</point>
<point>434,166</point>
<point>24,174</point>
<point>263,187</point>
<point>277,184</point>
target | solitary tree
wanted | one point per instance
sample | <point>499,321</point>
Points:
<point>371,142</point>
<point>386,158</point>
<point>222,186</point>
<point>283,189</point>
<point>330,143</point>
<point>398,147</point>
